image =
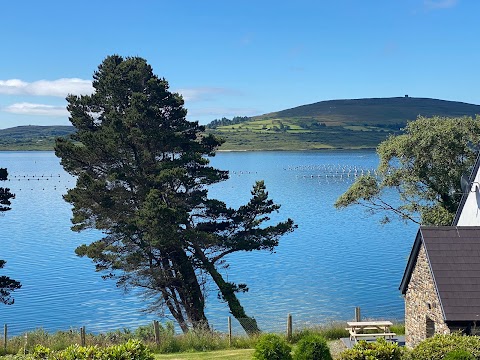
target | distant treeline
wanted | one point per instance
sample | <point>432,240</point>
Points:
<point>225,121</point>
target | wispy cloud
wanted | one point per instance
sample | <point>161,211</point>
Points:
<point>25,108</point>
<point>205,93</point>
<point>439,4</point>
<point>57,88</point>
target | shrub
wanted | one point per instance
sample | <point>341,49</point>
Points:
<point>379,350</point>
<point>459,355</point>
<point>272,347</point>
<point>41,352</point>
<point>76,352</point>
<point>437,347</point>
<point>131,350</point>
<point>312,347</point>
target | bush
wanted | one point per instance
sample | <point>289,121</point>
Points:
<point>437,347</point>
<point>131,350</point>
<point>272,347</point>
<point>379,350</point>
<point>459,355</point>
<point>312,347</point>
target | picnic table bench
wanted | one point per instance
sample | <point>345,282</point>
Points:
<point>357,329</point>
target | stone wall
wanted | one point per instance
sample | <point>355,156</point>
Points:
<point>423,313</point>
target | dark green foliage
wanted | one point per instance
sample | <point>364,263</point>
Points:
<point>225,122</point>
<point>379,350</point>
<point>424,166</point>
<point>142,179</point>
<point>312,347</point>
<point>459,355</point>
<point>7,284</point>
<point>437,347</point>
<point>272,347</point>
<point>130,350</point>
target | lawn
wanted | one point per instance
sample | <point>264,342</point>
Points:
<point>237,354</point>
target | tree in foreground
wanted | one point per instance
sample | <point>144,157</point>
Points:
<point>142,176</point>
<point>7,285</point>
<point>424,166</point>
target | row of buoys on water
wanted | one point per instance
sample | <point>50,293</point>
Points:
<point>338,175</point>
<point>34,176</point>
<point>243,172</point>
<point>330,168</point>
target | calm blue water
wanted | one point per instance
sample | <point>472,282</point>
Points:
<point>334,261</point>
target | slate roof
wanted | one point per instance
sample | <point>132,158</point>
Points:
<point>453,253</point>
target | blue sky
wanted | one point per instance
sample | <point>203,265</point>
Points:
<point>239,58</point>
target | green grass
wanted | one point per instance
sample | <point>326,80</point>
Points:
<point>234,354</point>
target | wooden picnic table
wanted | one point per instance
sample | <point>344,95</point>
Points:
<point>381,329</point>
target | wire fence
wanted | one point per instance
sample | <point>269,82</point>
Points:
<point>279,324</point>
<point>264,322</point>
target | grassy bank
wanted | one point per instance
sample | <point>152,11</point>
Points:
<point>193,345</point>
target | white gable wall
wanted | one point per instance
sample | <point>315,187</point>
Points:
<point>470,214</point>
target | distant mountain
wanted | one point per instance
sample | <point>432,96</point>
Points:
<point>333,124</point>
<point>377,110</point>
<point>32,137</point>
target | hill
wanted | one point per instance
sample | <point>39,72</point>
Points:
<point>333,124</point>
<point>356,123</point>
<point>32,137</point>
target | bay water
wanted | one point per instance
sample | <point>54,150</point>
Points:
<point>334,261</point>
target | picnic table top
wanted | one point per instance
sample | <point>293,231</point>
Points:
<point>369,323</point>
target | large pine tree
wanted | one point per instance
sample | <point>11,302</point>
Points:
<point>142,178</point>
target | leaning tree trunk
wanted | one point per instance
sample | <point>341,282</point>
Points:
<point>186,301</point>
<point>249,324</point>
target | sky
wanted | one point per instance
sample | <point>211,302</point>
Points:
<point>239,58</point>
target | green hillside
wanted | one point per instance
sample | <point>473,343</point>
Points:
<point>357,123</point>
<point>334,124</point>
<point>32,137</point>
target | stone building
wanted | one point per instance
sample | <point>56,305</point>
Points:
<point>441,283</point>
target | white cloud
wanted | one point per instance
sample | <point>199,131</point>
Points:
<point>58,88</point>
<point>204,93</point>
<point>36,109</point>
<point>440,4</point>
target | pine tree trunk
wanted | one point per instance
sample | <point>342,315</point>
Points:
<point>249,324</point>
<point>186,286</point>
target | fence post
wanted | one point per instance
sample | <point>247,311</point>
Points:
<point>26,344</point>
<point>82,336</point>
<point>5,329</point>
<point>358,316</point>
<point>229,331</point>
<point>289,327</point>
<point>156,330</point>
